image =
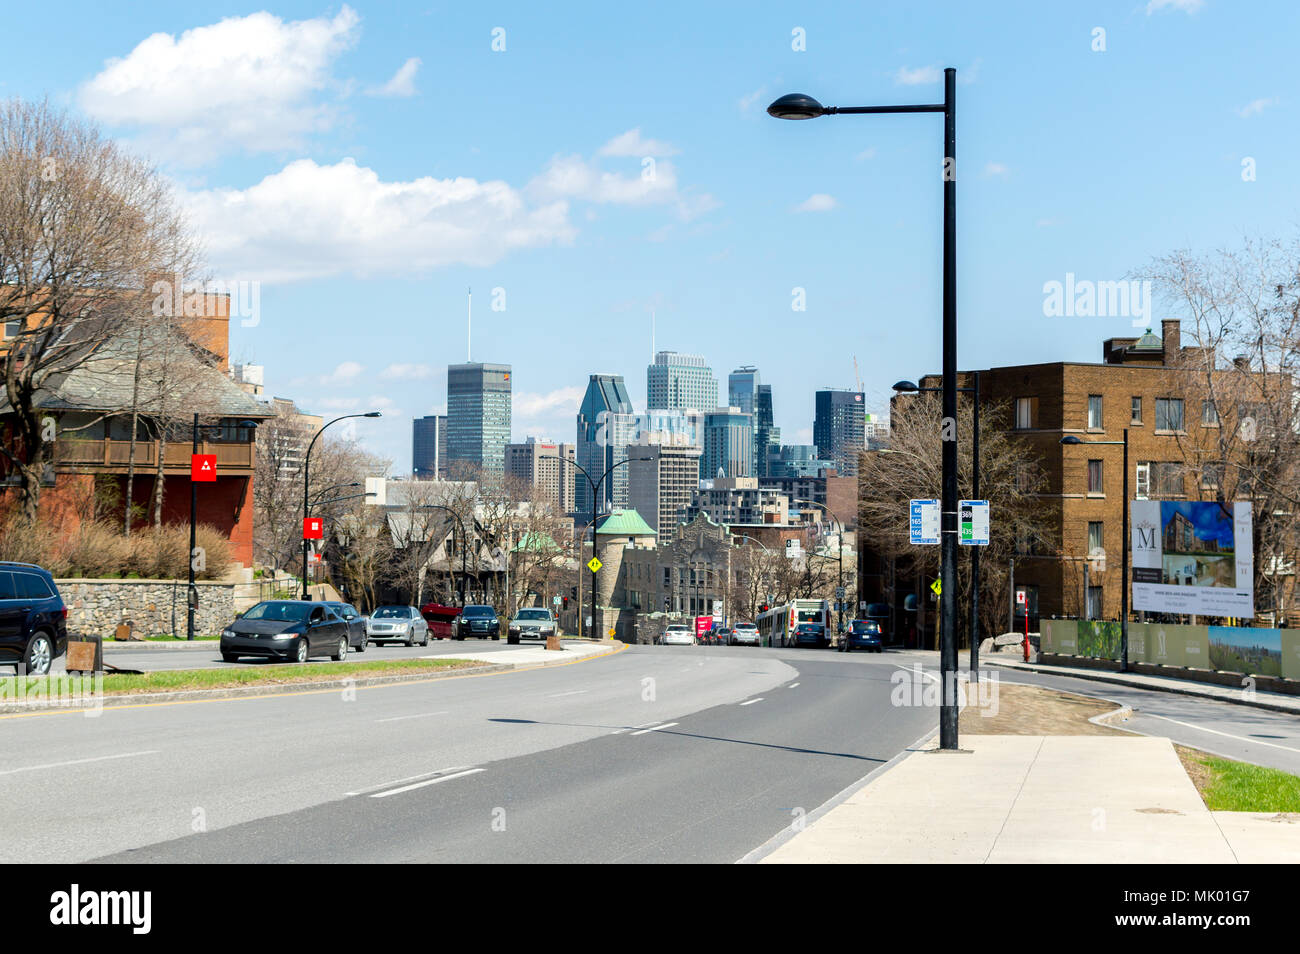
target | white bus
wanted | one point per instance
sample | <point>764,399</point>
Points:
<point>777,626</point>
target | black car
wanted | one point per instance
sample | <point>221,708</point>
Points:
<point>33,619</point>
<point>480,621</point>
<point>356,624</point>
<point>862,634</point>
<point>809,634</point>
<point>287,629</point>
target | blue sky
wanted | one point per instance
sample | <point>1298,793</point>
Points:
<point>367,163</point>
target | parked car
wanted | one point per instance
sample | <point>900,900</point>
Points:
<point>720,636</point>
<point>679,634</point>
<point>33,619</point>
<point>862,634</point>
<point>531,622</point>
<point>397,624</point>
<point>745,634</point>
<point>481,621</point>
<point>356,624</point>
<point>809,634</point>
<point>287,629</point>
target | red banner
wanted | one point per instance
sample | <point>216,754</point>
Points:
<point>203,467</point>
<point>313,528</point>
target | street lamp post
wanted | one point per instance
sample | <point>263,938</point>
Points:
<point>306,484</point>
<point>1070,440</point>
<point>907,387</point>
<point>800,106</point>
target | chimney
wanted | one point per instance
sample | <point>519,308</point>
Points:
<point>1171,337</point>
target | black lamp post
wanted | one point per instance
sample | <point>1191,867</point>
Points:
<point>908,387</point>
<point>801,106</point>
<point>306,484</point>
<point>1070,440</point>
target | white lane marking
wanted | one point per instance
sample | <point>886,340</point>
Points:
<point>426,782</point>
<point>421,715</point>
<point>752,701</point>
<point>914,669</point>
<point>1228,735</point>
<point>98,758</point>
<point>793,685</point>
<point>644,724</point>
<point>666,725</point>
<point>575,692</point>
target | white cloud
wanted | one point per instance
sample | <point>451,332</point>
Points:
<point>249,82</point>
<point>407,372</point>
<point>918,76</point>
<point>344,371</point>
<point>868,153</point>
<point>528,405</point>
<point>747,101</point>
<point>817,202</point>
<point>996,169</point>
<point>403,81</point>
<point>1187,6</point>
<point>572,177</point>
<point>310,221</point>
<point>1255,107</point>
<point>630,143</point>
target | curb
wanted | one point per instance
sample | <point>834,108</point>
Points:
<point>785,834</point>
<point>1114,680</point>
<point>139,645</point>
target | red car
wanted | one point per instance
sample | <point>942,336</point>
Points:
<point>439,618</point>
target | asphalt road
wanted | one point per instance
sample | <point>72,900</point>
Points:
<point>741,744</point>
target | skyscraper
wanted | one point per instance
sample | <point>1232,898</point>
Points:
<point>662,479</point>
<point>742,392</point>
<point>429,447</point>
<point>728,443</point>
<point>767,435</point>
<point>839,428</point>
<point>680,381</point>
<point>478,415</point>
<point>534,462</point>
<point>598,436</point>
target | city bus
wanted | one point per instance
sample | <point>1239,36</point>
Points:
<point>776,626</point>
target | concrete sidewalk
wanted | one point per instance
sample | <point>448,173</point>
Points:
<point>538,655</point>
<point>1038,799</point>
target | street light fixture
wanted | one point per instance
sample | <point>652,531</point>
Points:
<point>306,484</point>
<point>802,106</point>
<point>1069,440</point>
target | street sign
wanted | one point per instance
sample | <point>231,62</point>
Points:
<point>923,523</point>
<point>313,528</point>
<point>973,523</point>
<point>555,601</point>
<point>594,564</point>
<point>1021,598</point>
<point>203,467</point>
<point>839,592</point>
<point>937,586</point>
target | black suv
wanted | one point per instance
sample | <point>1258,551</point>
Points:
<point>481,621</point>
<point>33,619</point>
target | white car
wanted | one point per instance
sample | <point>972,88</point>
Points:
<point>397,624</point>
<point>745,634</point>
<point>679,634</point>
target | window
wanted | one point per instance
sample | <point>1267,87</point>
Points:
<point>1169,414</point>
<point>1094,412</point>
<point>1212,477</point>
<point>1143,482</point>
<point>12,327</point>
<point>1209,414</point>
<point>668,577</point>
<point>1096,533</point>
<point>1169,480</point>
<point>1095,485</point>
<point>1135,415</point>
<point>1026,413</point>
<point>1094,602</point>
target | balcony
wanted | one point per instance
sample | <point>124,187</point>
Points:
<point>105,456</point>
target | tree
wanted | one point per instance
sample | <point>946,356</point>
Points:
<point>85,229</point>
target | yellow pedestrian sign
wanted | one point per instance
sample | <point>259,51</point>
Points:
<point>937,586</point>
<point>594,564</point>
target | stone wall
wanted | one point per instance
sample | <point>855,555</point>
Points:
<point>155,607</point>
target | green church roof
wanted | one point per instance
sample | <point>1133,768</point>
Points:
<point>1148,342</point>
<point>624,523</point>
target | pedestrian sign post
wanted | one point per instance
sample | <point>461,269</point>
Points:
<point>973,523</point>
<point>594,564</point>
<point>937,586</point>
<point>923,523</point>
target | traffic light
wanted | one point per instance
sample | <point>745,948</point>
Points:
<point>573,592</point>
<point>566,602</point>
<point>667,603</point>
<point>763,608</point>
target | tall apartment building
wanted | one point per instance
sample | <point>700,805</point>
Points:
<point>839,428</point>
<point>429,447</point>
<point>743,392</point>
<point>728,443</point>
<point>534,463</point>
<point>680,381</point>
<point>600,438</point>
<point>798,460</point>
<point>478,415</point>
<point>767,435</point>
<point>662,485</point>
<point>737,501</point>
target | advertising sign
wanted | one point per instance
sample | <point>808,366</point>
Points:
<point>702,625</point>
<point>923,523</point>
<point>1193,557</point>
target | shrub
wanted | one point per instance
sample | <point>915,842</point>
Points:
<point>24,542</point>
<point>97,549</point>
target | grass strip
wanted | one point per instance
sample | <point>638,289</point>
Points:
<point>1230,786</point>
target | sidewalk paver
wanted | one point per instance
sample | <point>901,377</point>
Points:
<point>1036,799</point>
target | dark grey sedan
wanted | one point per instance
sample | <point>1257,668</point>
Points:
<point>293,630</point>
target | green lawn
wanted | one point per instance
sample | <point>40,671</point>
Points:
<point>1229,786</point>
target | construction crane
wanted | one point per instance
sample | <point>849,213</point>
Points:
<point>856,375</point>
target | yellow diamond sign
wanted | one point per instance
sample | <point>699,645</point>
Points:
<point>594,564</point>
<point>937,586</point>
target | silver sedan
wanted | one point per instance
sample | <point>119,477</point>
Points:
<point>397,624</point>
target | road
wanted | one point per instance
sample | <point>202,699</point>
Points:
<point>741,744</point>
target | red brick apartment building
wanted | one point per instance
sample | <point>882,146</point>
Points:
<point>1149,385</point>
